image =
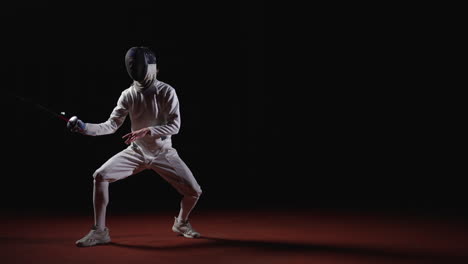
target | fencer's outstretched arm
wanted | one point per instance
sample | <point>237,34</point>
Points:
<point>115,120</point>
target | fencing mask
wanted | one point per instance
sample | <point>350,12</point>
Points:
<point>141,66</point>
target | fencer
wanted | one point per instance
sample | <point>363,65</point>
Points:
<point>153,107</point>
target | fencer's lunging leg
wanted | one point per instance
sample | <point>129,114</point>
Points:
<point>120,166</point>
<point>187,204</point>
<point>100,201</point>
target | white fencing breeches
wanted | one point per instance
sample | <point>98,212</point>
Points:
<point>130,161</point>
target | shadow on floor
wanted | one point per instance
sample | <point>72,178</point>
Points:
<point>272,247</point>
<point>269,247</point>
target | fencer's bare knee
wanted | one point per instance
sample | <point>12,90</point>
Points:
<point>199,192</point>
<point>196,193</point>
<point>99,176</point>
<point>191,192</point>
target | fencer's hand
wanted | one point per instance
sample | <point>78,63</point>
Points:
<point>130,137</point>
<point>76,125</point>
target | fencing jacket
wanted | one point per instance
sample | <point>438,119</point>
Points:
<point>155,107</point>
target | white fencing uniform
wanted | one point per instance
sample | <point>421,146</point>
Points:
<point>156,107</point>
<point>150,104</point>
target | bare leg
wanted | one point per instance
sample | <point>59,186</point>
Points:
<point>120,166</point>
<point>186,206</point>
<point>171,167</point>
<point>100,200</point>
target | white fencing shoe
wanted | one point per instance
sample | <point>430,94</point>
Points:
<point>94,237</point>
<point>185,229</point>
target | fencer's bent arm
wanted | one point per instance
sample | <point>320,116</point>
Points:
<point>172,116</point>
<point>115,120</point>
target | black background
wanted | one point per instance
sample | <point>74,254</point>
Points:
<point>71,59</point>
<point>263,125</point>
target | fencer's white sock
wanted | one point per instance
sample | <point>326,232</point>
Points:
<point>186,206</point>
<point>100,200</point>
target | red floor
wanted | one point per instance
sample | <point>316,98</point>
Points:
<point>242,237</point>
